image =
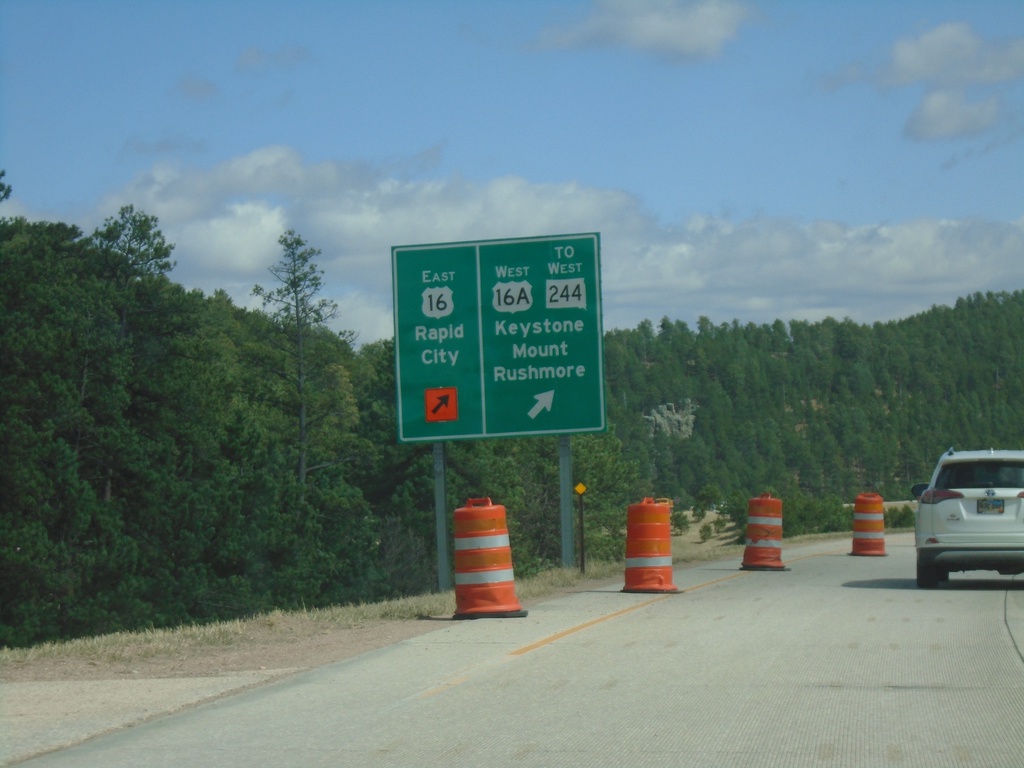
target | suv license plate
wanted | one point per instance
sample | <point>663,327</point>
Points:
<point>990,506</point>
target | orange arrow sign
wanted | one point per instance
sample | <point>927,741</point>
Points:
<point>441,404</point>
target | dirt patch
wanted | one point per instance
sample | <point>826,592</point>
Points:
<point>292,643</point>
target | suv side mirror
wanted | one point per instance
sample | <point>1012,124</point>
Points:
<point>918,489</point>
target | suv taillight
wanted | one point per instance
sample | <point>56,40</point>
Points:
<point>934,496</point>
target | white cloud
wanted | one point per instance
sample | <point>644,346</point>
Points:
<point>963,80</point>
<point>954,65</point>
<point>952,55</point>
<point>681,29</point>
<point>225,222</point>
<point>948,114</point>
<point>241,241</point>
<point>766,269</point>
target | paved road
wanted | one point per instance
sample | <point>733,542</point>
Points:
<point>840,661</point>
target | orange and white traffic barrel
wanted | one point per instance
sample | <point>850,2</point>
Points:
<point>484,582</point>
<point>869,525</point>
<point>764,535</point>
<point>649,547</point>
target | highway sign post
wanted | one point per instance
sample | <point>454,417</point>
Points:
<point>499,338</point>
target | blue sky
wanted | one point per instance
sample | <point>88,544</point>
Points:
<point>745,161</point>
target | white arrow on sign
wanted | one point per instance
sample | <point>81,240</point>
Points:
<point>544,400</point>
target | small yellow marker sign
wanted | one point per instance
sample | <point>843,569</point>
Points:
<point>580,488</point>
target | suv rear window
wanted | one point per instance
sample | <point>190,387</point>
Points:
<point>981,474</point>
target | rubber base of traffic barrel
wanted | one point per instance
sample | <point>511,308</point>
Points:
<point>761,568</point>
<point>495,615</point>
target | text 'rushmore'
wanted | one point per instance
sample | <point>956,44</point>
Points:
<point>539,372</point>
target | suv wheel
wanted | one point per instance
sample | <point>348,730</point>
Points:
<point>928,576</point>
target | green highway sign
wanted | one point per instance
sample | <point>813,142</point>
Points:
<point>499,338</point>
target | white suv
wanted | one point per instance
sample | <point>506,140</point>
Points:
<point>971,515</point>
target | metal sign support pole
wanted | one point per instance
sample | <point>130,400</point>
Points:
<point>565,496</point>
<point>583,541</point>
<point>444,578</point>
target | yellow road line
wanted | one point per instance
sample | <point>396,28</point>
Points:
<point>601,619</point>
<point>578,628</point>
<point>717,581</point>
<point>586,625</point>
<point>443,687</point>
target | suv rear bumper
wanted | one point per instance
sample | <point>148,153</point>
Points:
<point>1009,560</point>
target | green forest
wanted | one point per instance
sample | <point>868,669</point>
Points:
<point>167,457</point>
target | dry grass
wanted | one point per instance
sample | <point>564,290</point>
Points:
<point>151,643</point>
<point>122,646</point>
<point>188,640</point>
